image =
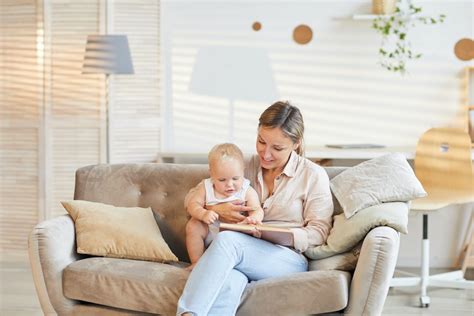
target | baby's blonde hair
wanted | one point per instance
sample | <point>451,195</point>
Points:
<point>225,151</point>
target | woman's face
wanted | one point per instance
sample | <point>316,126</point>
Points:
<point>274,147</point>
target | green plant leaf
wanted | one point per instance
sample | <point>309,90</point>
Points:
<point>394,31</point>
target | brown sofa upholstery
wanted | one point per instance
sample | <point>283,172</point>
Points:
<point>71,284</point>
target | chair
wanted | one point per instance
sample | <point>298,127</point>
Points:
<point>443,165</point>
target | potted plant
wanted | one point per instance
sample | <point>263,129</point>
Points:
<point>395,48</point>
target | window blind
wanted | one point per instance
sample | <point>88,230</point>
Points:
<point>20,112</point>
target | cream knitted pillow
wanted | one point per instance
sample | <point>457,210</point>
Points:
<point>388,178</point>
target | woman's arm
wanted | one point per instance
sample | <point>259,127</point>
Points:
<point>228,212</point>
<point>317,214</point>
<point>256,215</point>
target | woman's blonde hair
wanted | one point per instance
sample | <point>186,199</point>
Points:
<point>225,151</point>
<point>288,118</point>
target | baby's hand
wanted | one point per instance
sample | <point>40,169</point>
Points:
<point>210,217</point>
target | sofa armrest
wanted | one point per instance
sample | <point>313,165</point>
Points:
<point>51,248</point>
<point>374,270</point>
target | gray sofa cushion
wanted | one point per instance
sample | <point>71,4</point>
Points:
<point>129,284</point>
<point>314,292</point>
<point>155,288</point>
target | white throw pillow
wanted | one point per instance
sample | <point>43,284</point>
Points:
<point>388,178</point>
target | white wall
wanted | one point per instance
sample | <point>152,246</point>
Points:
<point>335,80</point>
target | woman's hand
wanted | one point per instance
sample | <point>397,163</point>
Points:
<point>251,221</point>
<point>256,233</point>
<point>230,212</point>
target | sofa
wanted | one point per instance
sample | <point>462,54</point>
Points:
<point>68,283</point>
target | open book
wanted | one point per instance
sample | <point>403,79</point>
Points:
<point>277,235</point>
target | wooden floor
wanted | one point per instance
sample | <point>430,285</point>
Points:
<point>18,296</point>
<point>405,301</point>
<point>17,291</point>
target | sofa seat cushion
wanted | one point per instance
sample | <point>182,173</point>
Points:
<point>129,284</point>
<point>312,292</point>
<point>156,287</point>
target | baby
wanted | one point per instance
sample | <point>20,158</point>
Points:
<point>226,184</point>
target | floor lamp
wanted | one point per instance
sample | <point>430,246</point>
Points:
<point>107,54</point>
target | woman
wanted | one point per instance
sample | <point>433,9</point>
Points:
<point>293,190</point>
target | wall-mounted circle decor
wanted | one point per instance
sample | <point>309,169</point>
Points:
<point>464,49</point>
<point>302,34</point>
<point>257,26</point>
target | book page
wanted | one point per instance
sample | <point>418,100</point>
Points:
<point>276,235</point>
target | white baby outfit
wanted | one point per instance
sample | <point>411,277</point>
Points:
<point>211,199</point>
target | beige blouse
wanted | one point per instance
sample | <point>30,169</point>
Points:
<point>301,198</point>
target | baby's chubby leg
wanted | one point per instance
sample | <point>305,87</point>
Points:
<point>196,232</point>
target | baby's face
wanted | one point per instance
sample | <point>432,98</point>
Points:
<point>227,176</point>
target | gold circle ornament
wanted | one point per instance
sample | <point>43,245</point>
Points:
<point>464,49</point>
<point>257,26</point>
<point>302,34</point>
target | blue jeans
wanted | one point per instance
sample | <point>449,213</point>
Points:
<point>218,280</point>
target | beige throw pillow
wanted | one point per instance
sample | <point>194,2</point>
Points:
<point>388,178</point>
<point>118,232</point>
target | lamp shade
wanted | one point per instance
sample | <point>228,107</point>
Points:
<point>235,73</point>
<point>107,54</point>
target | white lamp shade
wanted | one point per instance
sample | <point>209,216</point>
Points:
<point>107,54</point>
<point>235,73</point>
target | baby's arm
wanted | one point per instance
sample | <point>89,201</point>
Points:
<point>255,216</point>
<point>195,206</point>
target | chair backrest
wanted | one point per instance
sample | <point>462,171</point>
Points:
<point>443,165</point>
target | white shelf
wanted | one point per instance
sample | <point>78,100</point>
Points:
<point>369,16</point>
